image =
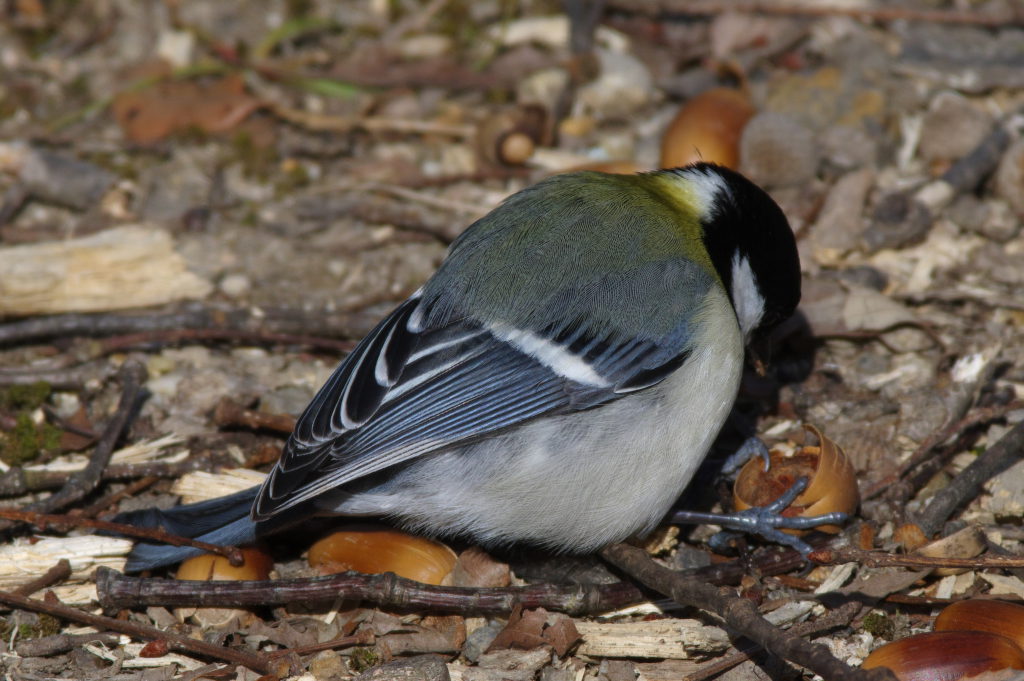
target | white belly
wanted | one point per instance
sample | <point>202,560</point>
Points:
<point>580,481</point>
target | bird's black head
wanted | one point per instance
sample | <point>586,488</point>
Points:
<point>751,246</point>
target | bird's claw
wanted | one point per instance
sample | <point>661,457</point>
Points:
<point>751,447</point>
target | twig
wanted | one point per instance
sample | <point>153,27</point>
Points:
<point>387,590</point>
<point>176,336</point>
<point>55,575</point>
<point>55,608</point>
<point>739,614</point>
<point>923,453</point>
<point>887,14</point>
<point>967,484</point>
<point>839,617</point>
<point>363,638</point>
<point>42,521</point>
<point>330,123</point>
<point>959,296</point>
<point>105,502</point>
<point>133,376</point>
<point>71,378</point>
<point>882,559</point>
<point>229,413</point>
<point>269,320</point>
<point>56,644</point>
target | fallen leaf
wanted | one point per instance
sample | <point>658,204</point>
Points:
<point>150,114</point>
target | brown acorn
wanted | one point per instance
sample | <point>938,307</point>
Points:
<point>707,128</point>
<point>510,136</point>
<point>946,655</point>
<point>832,481</point>
<point>976,614</point>
<point>373,550</point>
<point>211,567</point>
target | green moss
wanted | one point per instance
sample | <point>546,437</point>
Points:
<point>26,440</point>
<point>29,396</point>
<point>257,161</point>
<point>364,658</point>
<point>879,625</point>
<point>37,626</point>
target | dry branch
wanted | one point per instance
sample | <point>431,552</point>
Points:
<point>739,614</point>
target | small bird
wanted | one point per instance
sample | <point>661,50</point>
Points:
<point>557,381</point>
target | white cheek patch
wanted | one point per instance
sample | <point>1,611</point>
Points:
<point>746,297</point>
<point>550,354</point>
<point>706,188</point>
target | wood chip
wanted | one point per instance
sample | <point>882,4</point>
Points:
<point>677,639</point>
<point>116,269</point>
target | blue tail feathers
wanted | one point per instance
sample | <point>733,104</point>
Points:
<point>223,521</point>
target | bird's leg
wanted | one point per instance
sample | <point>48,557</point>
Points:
<point>751,447</point>
<point>766,521</point>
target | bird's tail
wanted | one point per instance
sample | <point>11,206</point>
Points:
<point>223,521</point>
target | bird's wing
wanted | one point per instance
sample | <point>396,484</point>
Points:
<point>406,390</point>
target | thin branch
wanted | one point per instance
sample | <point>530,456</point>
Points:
<point>186,644</point>
<point>386,590</point>
<point>968,483</point>
<point>839,617</point>
<point>739,614</point>
<point>55,575</point>
<point>231,414</point>
<point>924,452</point>
<point>42,521</point>
<point>1008,17</point>
<point>882,559</point>
<point>260,322</point>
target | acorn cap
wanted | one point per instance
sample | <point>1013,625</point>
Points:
<point>832,481</point>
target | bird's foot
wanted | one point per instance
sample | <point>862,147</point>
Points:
<point>766,521</point>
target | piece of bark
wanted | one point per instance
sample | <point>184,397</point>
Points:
<point>116,269</point>
<point>679,639</point>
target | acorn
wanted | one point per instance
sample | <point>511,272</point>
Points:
<point>707,128</point>
<point>510,136</point>
<point>256,564</point>
<point>373,550</point>
<point>976,614</point>
<point>831,481</point>
<point>946,655</point>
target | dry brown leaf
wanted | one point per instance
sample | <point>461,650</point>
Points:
<point>151,114</point>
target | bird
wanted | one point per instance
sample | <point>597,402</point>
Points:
<point>555,383</point>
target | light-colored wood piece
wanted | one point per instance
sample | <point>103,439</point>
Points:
<point>118,268</point>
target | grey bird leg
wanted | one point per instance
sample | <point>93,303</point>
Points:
<point>751,447</point>
<point>766,521</point>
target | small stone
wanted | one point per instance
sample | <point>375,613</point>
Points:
<point>841,220</point>
<point>1000,223</point>
<point>1009,178</point>
<point>480,640</point>
<point>419,668</point>
<point>847,148</point>
<point>776,150</point>
<point>898,221</point>
<point>618,670</point>
<point>235,285</point>
<point>328,664</point>
<point>623,86</point>
<point>952,127</point>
